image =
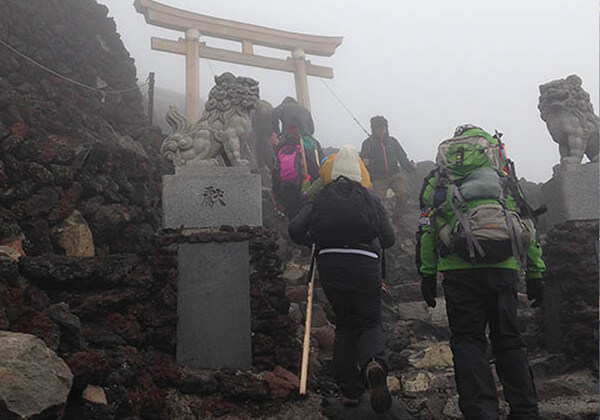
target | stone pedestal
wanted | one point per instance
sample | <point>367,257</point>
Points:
<point>571,291</point>
<point>213,285</point>
<point>211,197</point>
<point>213,305</point>
<point>571,194</point>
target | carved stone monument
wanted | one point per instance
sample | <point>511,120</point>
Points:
<point>570,118</point>
<point>213,186</point>
<point>572,192</point>
<point>572,217</point>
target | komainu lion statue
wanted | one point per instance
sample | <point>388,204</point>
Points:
<point>222,129</point>
<point>570,118</point>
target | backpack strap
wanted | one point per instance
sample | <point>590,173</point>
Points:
<point>525,208</point>
<point>472,242</point>
<point>516,239</point>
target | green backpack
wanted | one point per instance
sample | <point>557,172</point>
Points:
<point>470,190</point>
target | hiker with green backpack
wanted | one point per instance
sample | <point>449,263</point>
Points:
<point>477,229</point>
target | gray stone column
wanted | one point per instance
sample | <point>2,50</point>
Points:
<point>213,305</point>
<point>212,196</point>
<point>213,284</point>
<point>571,194</point>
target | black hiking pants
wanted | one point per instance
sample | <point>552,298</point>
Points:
<point>475,299</point>
<point>353,287</point>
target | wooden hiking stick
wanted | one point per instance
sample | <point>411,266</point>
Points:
<point>303,158</point>
<point>309,300</point>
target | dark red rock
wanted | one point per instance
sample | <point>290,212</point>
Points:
<point>38,324</point>
<point>163,369</point>
<point>19,129</point>
<point>108,221</point>
<point>9,271</point>
<point>67,203</point>
<point>96,303</point>
<point>282,383</point>
<point>56,149</point>
<point>3,176</point>
<point>243,386</point>
<point>37,234</point>
<point>127,327</point>
<point>37,298</point>
<point>325,336</point>
<point>199,382</point>
<point>4,322</point>
<point>297,294</point>
<point>88,367</point>
<point>44,200</point>
<point>147,400</point>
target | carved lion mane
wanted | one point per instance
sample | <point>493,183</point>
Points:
<point>570,118</point>
<point>224,123</point>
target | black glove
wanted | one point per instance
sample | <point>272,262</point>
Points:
<point>429,290</point>
<point>535,292</point>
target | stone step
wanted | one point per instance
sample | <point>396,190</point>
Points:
<point>406,292</point>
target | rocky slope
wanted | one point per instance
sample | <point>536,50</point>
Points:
<point>73,159</point>
<point>80,210</point>
<point>82,265</point>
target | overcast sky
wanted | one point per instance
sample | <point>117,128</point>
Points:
<point>427,65</point>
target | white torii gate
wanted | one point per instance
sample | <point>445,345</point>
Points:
<point>194,25</point>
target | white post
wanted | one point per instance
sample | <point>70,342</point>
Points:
<point>192,75</point>
<point>300,77</point>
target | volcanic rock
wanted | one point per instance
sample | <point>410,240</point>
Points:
<point>74,236</point>
<point>282,382</point>
<point>94,394</point>
<point>34,381</point>
<point>70,326</point>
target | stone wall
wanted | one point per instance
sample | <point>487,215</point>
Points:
<point>113,321</point>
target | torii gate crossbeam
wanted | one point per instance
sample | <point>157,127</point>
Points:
<point>194,25</point>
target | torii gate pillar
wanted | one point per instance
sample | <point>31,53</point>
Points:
<point>192,75</point>
<point>195,24</point>
<point>300,77</point>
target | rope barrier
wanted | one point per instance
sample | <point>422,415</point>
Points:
<point>344,106</point>
<point>210,67</point>
<point>75,82</point>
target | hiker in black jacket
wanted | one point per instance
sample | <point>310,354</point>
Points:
<point>344,219</point>
<point>388,164</point>
<point>291,112</point>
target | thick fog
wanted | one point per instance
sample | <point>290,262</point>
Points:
<point>427,65</point>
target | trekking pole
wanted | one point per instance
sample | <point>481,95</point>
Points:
<point>306,347</point>
<point>303,156</point>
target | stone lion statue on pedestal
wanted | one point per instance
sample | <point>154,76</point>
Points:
<point>570,118</point>
<point>222,129</point>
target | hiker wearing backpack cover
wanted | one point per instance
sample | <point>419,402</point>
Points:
<point>478,231</point>
<point>291,113</point>
<point>344,219</point>
<point>289,173</point>
<point>384,157</point>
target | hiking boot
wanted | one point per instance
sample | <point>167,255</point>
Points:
<point>350,402</point>
<point>381,400</point>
